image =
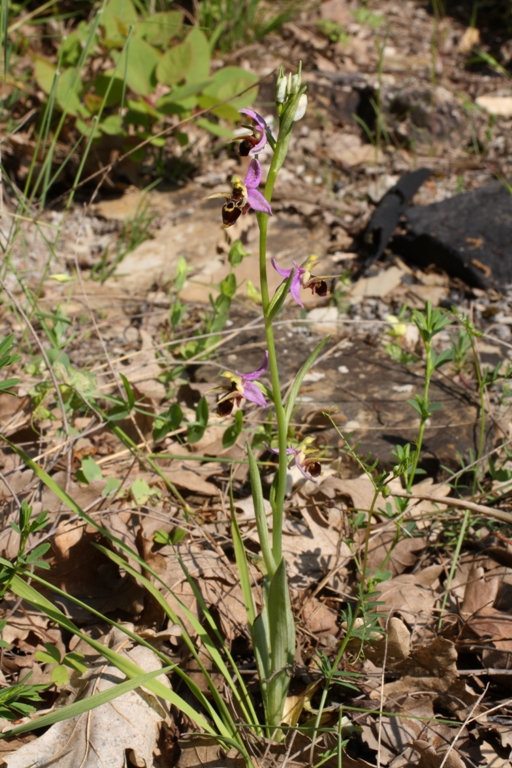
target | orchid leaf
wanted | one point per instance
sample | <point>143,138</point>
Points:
<point>294,391</point>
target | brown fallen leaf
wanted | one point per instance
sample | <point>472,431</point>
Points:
<point>430,757</point>
<point>394,646</point>
<point>411,595</point>
<point>103,735</point>
<point>403,555</point>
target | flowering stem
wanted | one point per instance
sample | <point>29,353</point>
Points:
<point>278,501</point>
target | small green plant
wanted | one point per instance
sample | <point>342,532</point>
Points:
<point>334,31</point>
<point>118,79</point>
<point>234,23</point>
<point>7,358</point>
<point>19,700</point>
<point>429,324</point>
<point>25,527</point>
<point>62,663</point>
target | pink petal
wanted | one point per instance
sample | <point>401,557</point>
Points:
<point>276,450</point>
<point>283,272</point>
<point>258,119</point>
<point>253,178</point>
<point>258,202</point>
<point>253,393</point>
<point>255,374</point>
<point>295,287</point>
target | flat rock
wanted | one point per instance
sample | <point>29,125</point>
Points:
<point>468,236</point>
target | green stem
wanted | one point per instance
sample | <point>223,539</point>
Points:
<point>429,369</point>
<point>481,393</point>
<point>278,502</point>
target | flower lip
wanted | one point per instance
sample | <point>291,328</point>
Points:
<point>296,283</point>
<point>243,386</point>
<point>309,468</point>
<point>261,126</point>
<point>252,181</point>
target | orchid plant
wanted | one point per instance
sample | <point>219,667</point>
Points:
<point>272,630</point>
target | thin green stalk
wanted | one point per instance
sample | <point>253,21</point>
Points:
<point>455,562</point>
<point>429,370</point>
<point>278,502</point>
<point>481,394</point>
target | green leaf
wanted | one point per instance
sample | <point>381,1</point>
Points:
<point>227,83</point>
<point>214,128</point>
<point>7,384</point>
<point>282,643</point>
<point>109,86</point>
<point>112,125</point>
<point>195,433</point>
<point>253,293</point>
<point>183,92</point>
<point>167,422</point>
<point>443,357</point>
<point>75,661</point>
<point>70,50</point>
<point>39,551</point>
<point>52,652</point>
<point>140,491</point>
<point>200,49</point>
<point>202,412</point>
<point>174,65</point>
<point>231,434</point>
<point>44,73</point>
<point>68,93</point>
<point>116,19</point>
<point>159,28</point>
<point>45,658</point>
<point>294,391</point>
<point>228,286</point>
<point>237,253</point>
<point>418,407</point>
<point>259,511</point>
<point>138,63</point>
<point>89,471</point>
<point>60,675</point>
<point>112,485</point>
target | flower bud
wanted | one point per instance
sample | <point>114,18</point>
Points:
<point>301,108</point>
<point>295,84</point>
<point>281,84</point>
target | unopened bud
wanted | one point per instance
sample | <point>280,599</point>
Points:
<point>295,84</point>
<point>301,108</point>
<point>281,84</point>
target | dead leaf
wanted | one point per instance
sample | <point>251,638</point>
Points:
<point>411,595</point>
<point>432,758</point>
<point>102,737</point>
<point>469,39</point>
<point>394,646</point>
<point>198,751</point>
<point>496,105</point>
<point>403,554</point>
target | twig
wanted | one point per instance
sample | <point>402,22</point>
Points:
<point>447,501</point>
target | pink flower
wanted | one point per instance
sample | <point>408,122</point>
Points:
<point>242,386</point>
<point>243,196</point>
<point>251,145</point>
<point>302,278</point>
<point>296,279</point>
<point>309,468</point>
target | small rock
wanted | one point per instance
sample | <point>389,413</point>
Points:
<point>324,320</point>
